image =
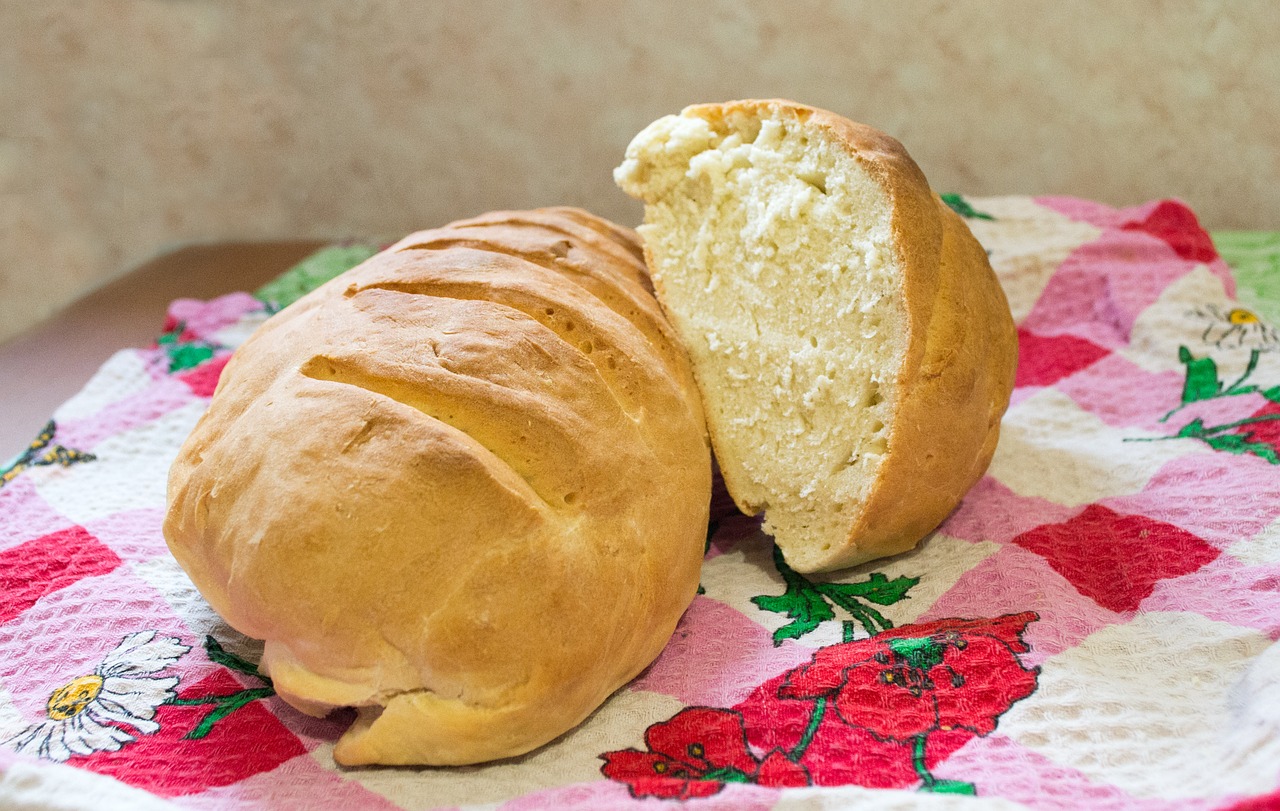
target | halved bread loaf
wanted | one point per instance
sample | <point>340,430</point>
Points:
<point>854,350</point>
<point>463,488</point>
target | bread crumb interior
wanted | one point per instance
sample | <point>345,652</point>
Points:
<point>772,249</point>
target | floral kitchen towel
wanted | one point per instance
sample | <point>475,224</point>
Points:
<point>1093,627</point>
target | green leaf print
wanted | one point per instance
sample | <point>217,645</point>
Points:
<point>809,604</point>
<point>1239,444</point>
<point>1217,438</point>
<point>961,206</point>
<point>1202,377</point>
<point>182,354</point>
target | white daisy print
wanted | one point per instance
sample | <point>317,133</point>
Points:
<point>86,714</point>
<point>1234,328</point>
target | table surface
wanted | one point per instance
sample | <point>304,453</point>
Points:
<point>45,366</point>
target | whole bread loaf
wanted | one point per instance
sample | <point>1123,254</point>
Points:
<point>853,347</point>
<point>462,487</point>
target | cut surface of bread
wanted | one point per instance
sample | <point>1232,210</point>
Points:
<point>853,348</point>
<point>462,487</point>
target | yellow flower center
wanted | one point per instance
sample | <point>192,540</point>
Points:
<point>71,698</point>
<point>1238,316</point>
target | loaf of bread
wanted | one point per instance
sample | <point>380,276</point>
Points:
<point>462,488</point>
<point>854,350</point>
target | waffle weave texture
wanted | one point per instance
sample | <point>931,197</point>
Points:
<point>1093,627</point>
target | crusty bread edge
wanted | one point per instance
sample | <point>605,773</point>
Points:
<point>957,369</point>
<point>948,416</point>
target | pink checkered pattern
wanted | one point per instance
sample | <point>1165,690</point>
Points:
<point>1093,627</point>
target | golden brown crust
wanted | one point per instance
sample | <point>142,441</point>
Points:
<point>958,354</point>
<point>419,485</point>
<point>958,368</point>
<point>950,403</point>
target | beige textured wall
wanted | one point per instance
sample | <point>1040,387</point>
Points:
<point>131,127</point>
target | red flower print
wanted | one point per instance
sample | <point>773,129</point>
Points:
<point>907,682</point>
<point>880,712</point>
<point>1264,429</point>
<point>834,753</point>
<point>694,754</point>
